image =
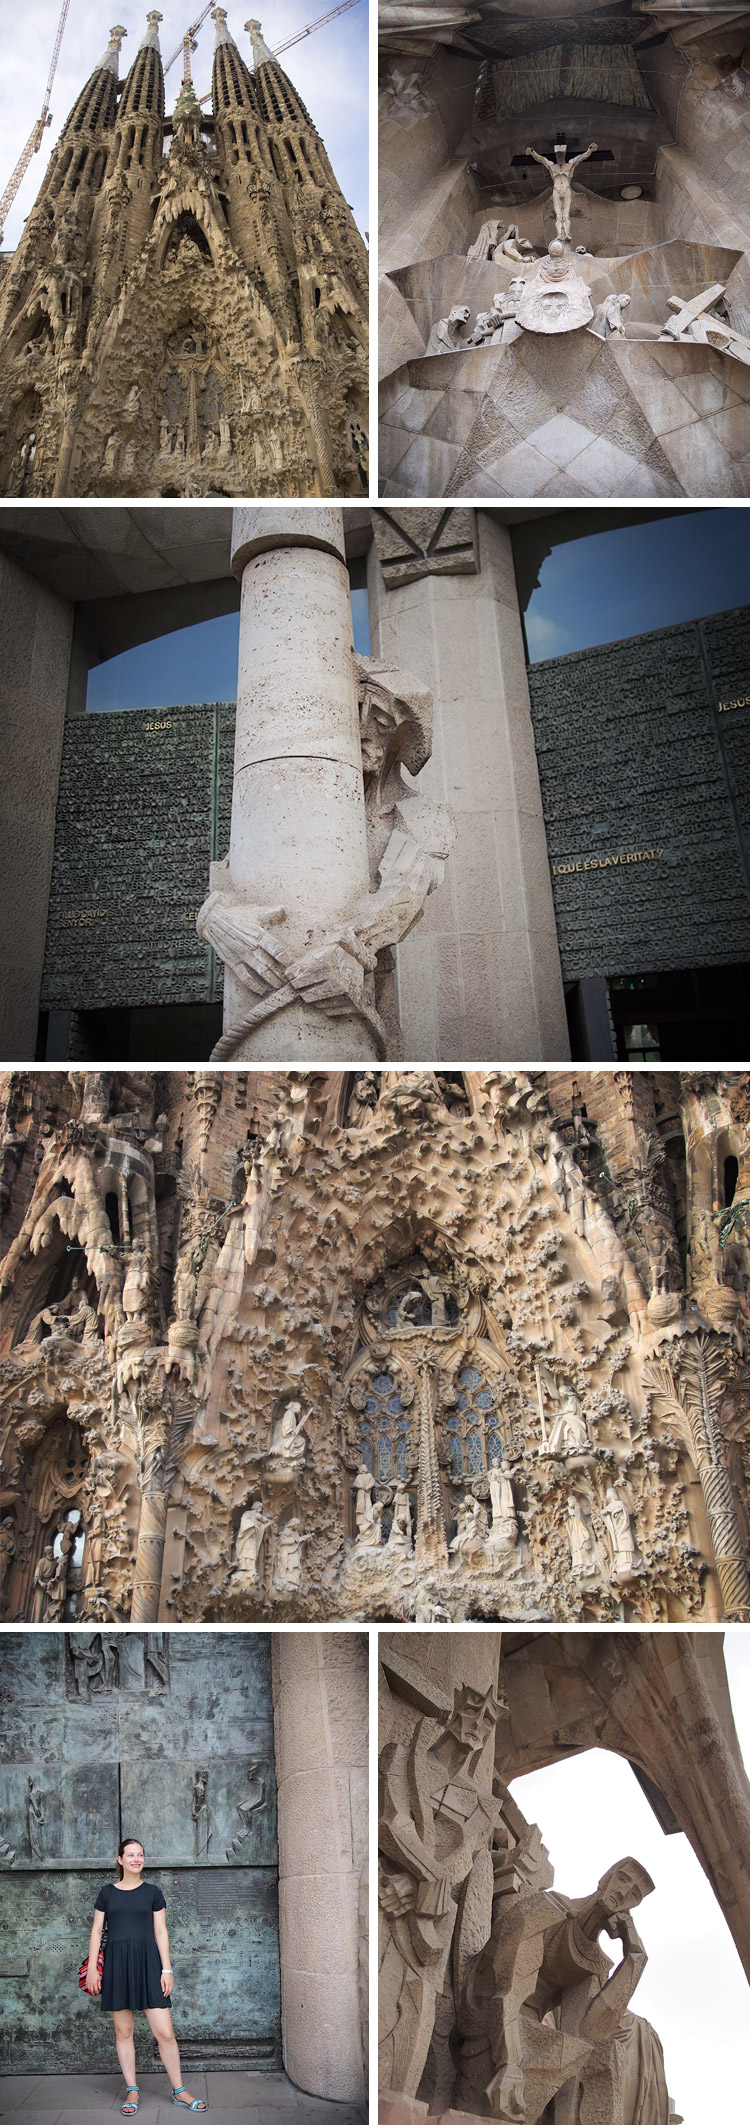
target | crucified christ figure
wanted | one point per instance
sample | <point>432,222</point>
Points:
<point>561,172</point>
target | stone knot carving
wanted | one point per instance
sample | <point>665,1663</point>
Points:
<point>408,841</point>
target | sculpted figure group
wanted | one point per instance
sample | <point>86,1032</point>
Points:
<point>496,1998</point>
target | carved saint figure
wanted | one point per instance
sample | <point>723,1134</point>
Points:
<point>568,1432</point>
<point>584,1562</point>
<point>471,1527</point>
<point>540,2005</point>
<point>445,337</point>
<point>561,172</point>
<point>400,1534</point>
<point>363,1100</point>
<point>287,1438</point>
<point>625,1557</point>
<point>369,1511</point>
<point>288,1568</point>
<point>45,1574</point>
<point>490,244</point>
<point>201,1819</point>
<point>251,1535</point>
<point>504,1529</point>
<point>435,1816</point>
<point>35,1819</point>
<point>609,317</point>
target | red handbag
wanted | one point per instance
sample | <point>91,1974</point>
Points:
<point>84,1969</point>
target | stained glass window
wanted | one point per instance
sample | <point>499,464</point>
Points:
<point>473,1427</point>
<point>385,1430</point>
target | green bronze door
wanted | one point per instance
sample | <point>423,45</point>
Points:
<point>168,1737</point>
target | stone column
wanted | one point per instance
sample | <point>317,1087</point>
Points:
<point>480,975</point>
<point>298,837</point>
<point>320,1697</point>
<point>149,1558</point>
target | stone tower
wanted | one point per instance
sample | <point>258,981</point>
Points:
<point>186,312</point>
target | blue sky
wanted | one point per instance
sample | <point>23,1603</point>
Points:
<point>330,70</point>
<point>620,583</point>
<point>195,664</point>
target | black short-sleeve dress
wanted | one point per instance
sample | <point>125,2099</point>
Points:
<point>132,1963</point>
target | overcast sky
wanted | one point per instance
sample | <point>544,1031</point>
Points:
<point>329,69</point>
<point>591,1812</point>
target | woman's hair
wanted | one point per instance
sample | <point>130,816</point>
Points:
<point>121,1848</point>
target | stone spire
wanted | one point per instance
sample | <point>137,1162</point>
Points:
<point>260,48</point>
<point>143,94</point>
<point>150,38</point>
<point>111,58</point>
<point>232,83</point>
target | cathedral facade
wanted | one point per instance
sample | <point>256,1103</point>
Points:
<point>186,311</point>
<point>304,1345</point>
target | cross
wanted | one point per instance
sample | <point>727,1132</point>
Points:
<point>688,313</point>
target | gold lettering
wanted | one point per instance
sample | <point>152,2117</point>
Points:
<point>165,724</point>
<point>605,863</point>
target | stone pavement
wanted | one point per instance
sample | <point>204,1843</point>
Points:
<point>238,2099</point>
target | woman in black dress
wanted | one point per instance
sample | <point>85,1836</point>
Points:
<point>137,1970</point>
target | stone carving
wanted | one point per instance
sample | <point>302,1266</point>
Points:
<point>490,244</point>
<point>435,1816</point>
<point>202,1830</point>
<point>286,1452</point>
<point>251,1536</point>
<point>561,171</point>
<point>609,317</point>
<point>496,1998</point>
<point>409,841</point>
<point>504,1529</point>
<point>400,1535</point>
<point>463,1394</point>
<point>288,1566</point>
<point>584,1557</point>
<point>701,321</point>
<point>568,1434</point>
<point>471,1530</point>
<point>369,1511</point>
<point>625,1558</point>
<point>445,337</point>
<point>424,542</point>
<point>133,303</point>
<point>557,299</point>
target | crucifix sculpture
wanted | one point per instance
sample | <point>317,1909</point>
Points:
<point>561,172</point>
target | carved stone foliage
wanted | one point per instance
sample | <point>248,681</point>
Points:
<point>395,1343</point>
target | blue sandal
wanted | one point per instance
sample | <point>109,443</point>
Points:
<point>194,2105</point>
<point>130,2110</point>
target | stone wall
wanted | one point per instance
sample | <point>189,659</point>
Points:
<point>37,633</point>
<point>320,1692</point>
<point>144,806</point>
<point>633,758</point>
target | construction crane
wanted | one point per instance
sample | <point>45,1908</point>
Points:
<point>342,8</point>
<point>34,141</point>
<point>187,43</point>
<point>299,34</point>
